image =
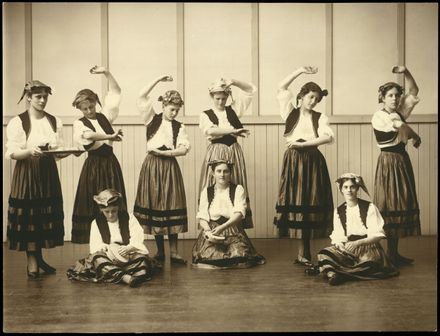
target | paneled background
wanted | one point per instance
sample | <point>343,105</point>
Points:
<point>353,45</point>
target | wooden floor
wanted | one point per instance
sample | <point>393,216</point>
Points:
<point>277,296</point>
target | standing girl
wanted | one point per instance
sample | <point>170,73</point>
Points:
<point>160,204</point>
<point>221,125</point>
<point>395,189</point>
<point>305,203</point>
<point>101,170</point>
<point>35,212</point>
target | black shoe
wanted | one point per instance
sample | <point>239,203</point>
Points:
<point>46,267</point>
<point>334,280</point>
<point>137,281</point>
<point>312,270</point>
<point>303,262</point>
<point>403,261</point>
<point>159,257</point>
<point>178,260</point>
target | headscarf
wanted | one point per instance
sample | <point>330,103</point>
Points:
<point>83,95</point>
<point>107,197</point>
<point>357,179</point>
<point>171,97</point>
<point>308,87</point>
<point>220,86</point>
<point>32,86</point>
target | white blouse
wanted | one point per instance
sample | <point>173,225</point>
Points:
<point>221,204</point>
<point>384,121</point>
<point>136,235</point>
<point>239,105</point>
<point>40,133</point>
<point>164,135</point>
<point>111,110</point>
<point>354,224</point>
<point>304,128</point>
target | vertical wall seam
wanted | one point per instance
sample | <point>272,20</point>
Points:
<point>401,35</point>
<point>180,29</point>
<point>329,56</point>
<point>255,49</point>
<point>104,44</point>
<point>28,40</point>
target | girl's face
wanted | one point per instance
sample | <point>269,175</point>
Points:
<point>310,100</point>
<point>38,100</point>
<point>111,213</point>
<point>222,174</point>
<point>349,190</point>
<point>88,108</point>
<point>170,111</point>
<point>391,99</point>
<point>219,99</point>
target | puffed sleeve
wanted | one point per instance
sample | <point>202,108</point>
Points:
<point>182,138</point>
<point>324,128</point>
<point>383,122</point>
<point>407,104</point>
<point>145,108</point>
<point>96,242</point>
<point>111,106</point>
<point>240,201</point>
<point>338,235</point>
<point>16,137</point>
<point>137,235</point>
<point>285,102</point>
<point>375,222</point>
<point>203,212</point>
<point>242,102</point>
<point>79,129</point>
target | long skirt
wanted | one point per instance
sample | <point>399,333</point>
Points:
<point>395,195</point>
<point>35,212</point>
<point>305,203</point>
<point>233,153</point>
<point>160,205</point>
<point>236,251</point>
<point>365,262</point>
<point>98,173</point>
<point>97,267</point>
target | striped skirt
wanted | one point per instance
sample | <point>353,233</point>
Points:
<point>233,153</point>
<point>35,212</point>
<point>395,194</point>
<point>365,262</point>
<point>97,267</point>
<point>305,203</point>
<point>98,173</point>
<point>236,251</point>
<point>160,205</point>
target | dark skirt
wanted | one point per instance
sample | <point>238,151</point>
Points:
<point>160,205</point>
<point>395,194</point>
<point>97,267</point>
<point>365,262</point>
<point>236,251</point>
<point>233,153</point>
<point>35,212</point>
<point>98,173</point>
<point>305,203</point>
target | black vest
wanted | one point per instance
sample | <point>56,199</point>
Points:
<point>154,125</point>
<point>293,118</point>
<point>233,120</point>
<point>102,121</point>
<point>383,138</point>
<point>363,209</point>
<point>104,230</point>
<point>26,122</point>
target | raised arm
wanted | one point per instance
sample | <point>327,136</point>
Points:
<point>245,86</point>
<point>113,84</point>
<point>110,108</point>
<point>412,85</point>
<point>144,104</point>
<point>284,84</point>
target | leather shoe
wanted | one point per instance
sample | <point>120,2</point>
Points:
<point>32,275</point>
<point>303,262</point>
<point>334,280</point>
<point>137,281</point>
<point>312,271</point>
<point>47,268</point>
<point>178,260</point>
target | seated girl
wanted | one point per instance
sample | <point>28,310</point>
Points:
<point>223,243</point>
<point>356,252</point>
<point>117,252</point>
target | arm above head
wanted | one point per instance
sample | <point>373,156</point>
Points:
<point>113,84</point>
<point>284,84</point>
<point>144,103</point>
<point>413,89</point>
<point>245,86</point>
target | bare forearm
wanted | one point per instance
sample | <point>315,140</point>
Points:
<point>97,136</point>
<point>284,84</point>
<point>215,131</point>
<point>323,139</point>
<point>204,224</point>
<point>412,85</point>
<point>21,154</point>
<point>243,85</point>
<point>113,84</point>
<point>145,91</point>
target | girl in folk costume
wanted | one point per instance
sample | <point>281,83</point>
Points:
<point>101,170</point>
<point>117,252</point>
<point>394,184</point>
<point>160,204</point>
<point>221,125</point>
<point>305,203</point>
<point>356,253</point>
<point>35,212</point>
<point>223,243</point>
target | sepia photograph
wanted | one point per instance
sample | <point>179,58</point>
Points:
<point>220,167</point>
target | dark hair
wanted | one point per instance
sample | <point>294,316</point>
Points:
<point>342,180</point>
<point>215,164</point>
<point>311,87</point>
<point>171,97</point>
<point>83,95</point>
<point>383,89</point>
